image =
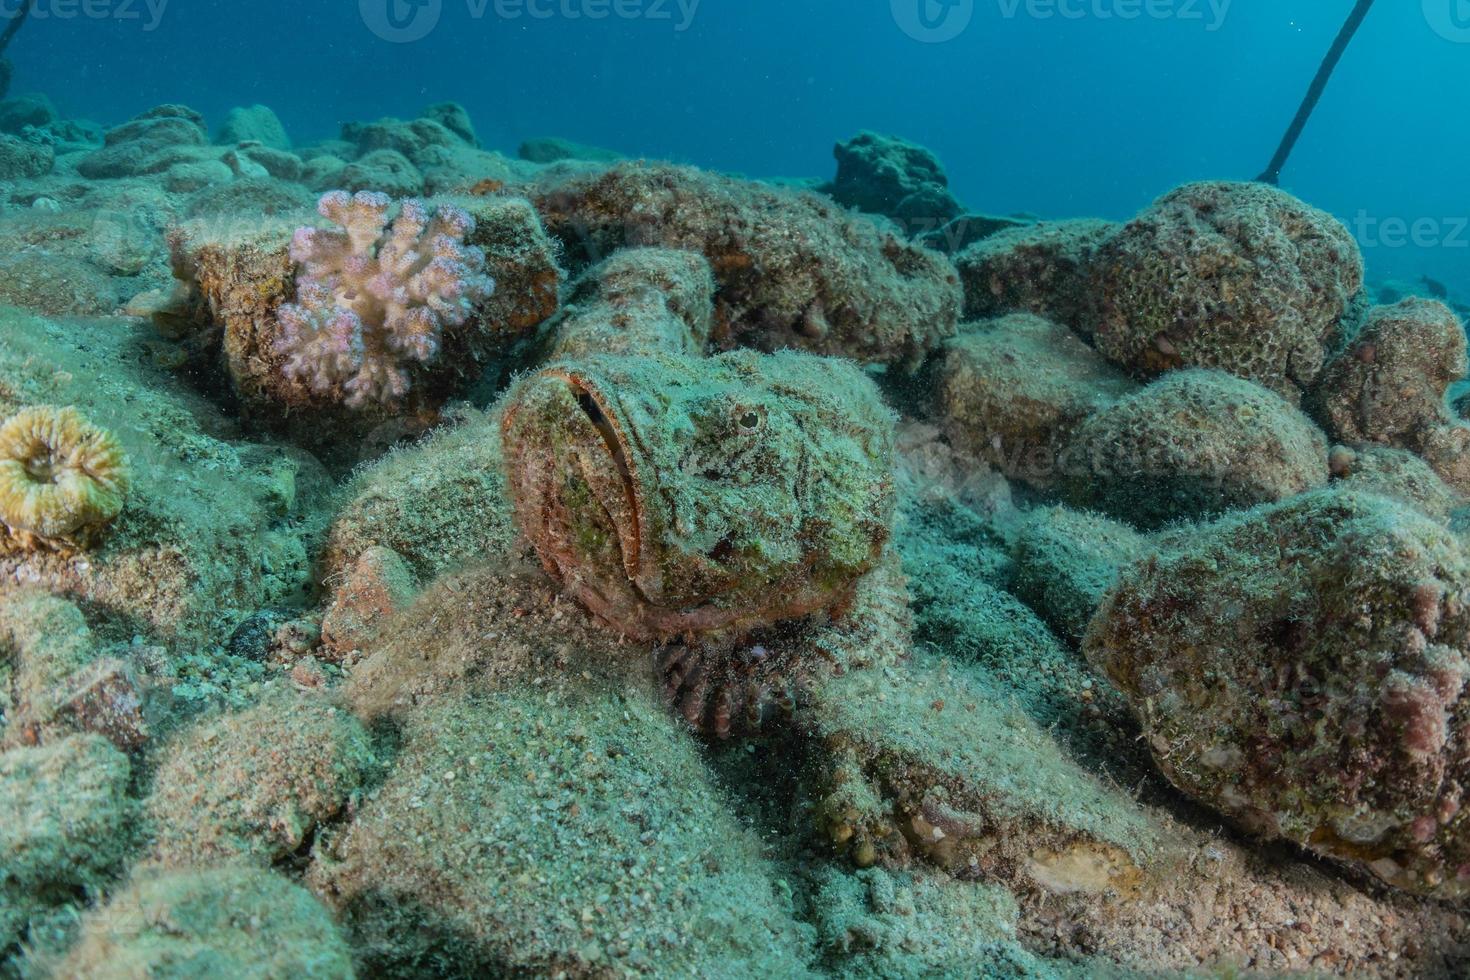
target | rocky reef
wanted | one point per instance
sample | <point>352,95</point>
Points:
<point>758,580</point>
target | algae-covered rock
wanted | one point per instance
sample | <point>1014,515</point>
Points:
<point>794,270</point>
<point>1396,473</point>
<point>64,826</point>
<point>147,144</point>
<point>214,526</point>
<point>877,923</point>
<point>1240,277</point>
<point>224,922</point>
<point>925,761</point>
<point>889,176</point>
<point>673,495</point>
<point>63,682</point>
<point>254,124</point>
<point>553,149</point>
<point>570,829</point>
<point>1191,445</point>
<point>1038,268</point>
<point>1066,561</point>
<point>438,504</point>
<point>277,771</point>
<point>1301,668</point>
<point>639,299</point>
<point>1013,391</point>
<point>1389,385</point>
<point>20,160</point>
<point>246,275</point>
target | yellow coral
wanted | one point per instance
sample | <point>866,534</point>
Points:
<point>61,477</point>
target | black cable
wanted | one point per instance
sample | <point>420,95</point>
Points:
<point>16,23</point>
<point>1272,174</point>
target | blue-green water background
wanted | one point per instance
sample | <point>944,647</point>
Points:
<point>1060,116</point>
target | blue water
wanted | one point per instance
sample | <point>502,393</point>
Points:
<point>1061,116</point>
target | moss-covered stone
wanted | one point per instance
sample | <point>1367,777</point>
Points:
<point>1301,668</point>
<point>1399,474</point>
<point>1389,385</point>
<point>926,761</point>
<point>529,832</point>
<point>1240,277</point>
<point>1013,391</point>
<point>1066,561</point>
<point>1040,268</point>
<point>65,827</point>
<point>1191,445</point>
<point>277,771</point>
<point>638,299</point>
<point>793,269</point>
<point>193,925</point>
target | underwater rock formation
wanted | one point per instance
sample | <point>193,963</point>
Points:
<point>254,124</point>
<point>1040,268</point>
<point>246,277</point>
<point>1389,385</point>
<point>672,495</point>
<point>62,479</point>
<point>212,530</point>
<point>1066,562</point>
<point>1013,391</point>
<point>793,270</point>
<point>1395,473</point>
<point>1190,445</point>
<point>1302,668</point>
<point>1240,277</point>
<point>524,834</point>
<point>64,826</point>
<point>151,143</point>
<point>893,177</point>
<point>640,299</point>
<point>374,297</point>
<point>282,769</point>
<point>222,922</point>
<point>62,681</point>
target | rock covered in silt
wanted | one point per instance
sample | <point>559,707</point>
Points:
<point>279,770</point>
<point>893,177</point>
<point>64,825</point>
<point>525,833</point>
<point>639,299</point>
<point>676,495</point>
<point>1013,391</point>
<point>222,922</point>
<point>1389,385</point>
<point>1240,277</point>
<point>1302,668</point>
<point>1190,445</point>
<point>793,269</point>
<point>1040,268</point>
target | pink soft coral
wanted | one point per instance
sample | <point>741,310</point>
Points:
<point>371,299</point>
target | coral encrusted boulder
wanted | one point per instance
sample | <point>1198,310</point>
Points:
<point>1013,391</point>
<point>1389,385</point>
<point>889,176</point>
<point>793,269</point>
<point>1037,268</point>
<point>1302,669</point>
<point>1190,445</point>
<point>1240,277</point>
